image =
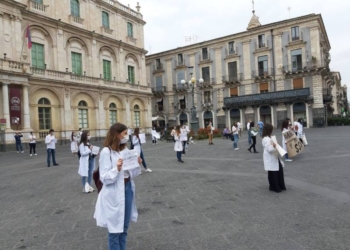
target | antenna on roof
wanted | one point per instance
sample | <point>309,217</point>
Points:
<point>190,39</point>
<point>253,6</point>
<point>289,9</point>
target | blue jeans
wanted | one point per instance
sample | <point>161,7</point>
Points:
<point>143,159</point>
<point>117,241</point>
<point>50,152</point>
<point>249,137</point>
<point>91,170</point>
<point>286,157</point>
<point>19,146</point>
<point>235,142</point>
<point>178,155</point>
<point>260,131</point>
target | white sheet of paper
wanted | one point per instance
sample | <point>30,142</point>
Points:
<point>142,138</point>
<point>95,150</point>
<point>183,137</point>
<point>130,159</point>
<point>279,149</point>
<point>155,134</point>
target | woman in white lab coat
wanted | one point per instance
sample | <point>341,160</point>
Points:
<point>271,162</point>
<point>85,154</point>
<point>178,144</point>
<point>73,144</point>
<point>138,147</point>
<point>115,205</point>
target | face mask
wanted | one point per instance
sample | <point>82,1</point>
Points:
<point>124,140</point>
<point>89,137</point>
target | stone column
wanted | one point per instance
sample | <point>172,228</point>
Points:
<point>26,117</point>
<point>6,107</point>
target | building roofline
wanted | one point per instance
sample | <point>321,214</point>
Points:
<point>265,26</point>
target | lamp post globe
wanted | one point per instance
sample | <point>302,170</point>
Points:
<point>201,80</point>
<point>193,80</point>
<point>183,82</point>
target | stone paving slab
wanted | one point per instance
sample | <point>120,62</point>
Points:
<point>218,199</point>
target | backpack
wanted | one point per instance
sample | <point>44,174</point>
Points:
<point>96,175</point>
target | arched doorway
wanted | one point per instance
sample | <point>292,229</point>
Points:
<point>235,116</point>
<point>299,111</point>
<point>183,118</point>
<point>208,117</point>
<point>265,114</point>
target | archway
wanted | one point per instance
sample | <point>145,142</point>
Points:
<point>208,117</point>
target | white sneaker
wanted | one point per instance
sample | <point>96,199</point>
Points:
<point>30,155</point>
<point>87,188</point>
<point>148,170</point>
<point>22,152</point>
<point>91,189</point>
<point>236,149</point>
<point>289,160</point>
<point>35,154</point>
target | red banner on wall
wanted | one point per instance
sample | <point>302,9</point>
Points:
<point>15,104</point>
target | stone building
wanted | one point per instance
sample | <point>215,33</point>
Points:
<point>85,69</point>
<point>268,72</point>
<point>339,93</point>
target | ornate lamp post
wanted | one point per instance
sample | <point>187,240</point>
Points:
<point>191,86</point>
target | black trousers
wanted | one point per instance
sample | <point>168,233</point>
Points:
<point>276,179</point>
<point>184,147</point>
<point>253,145</point>
<point>32,147</point>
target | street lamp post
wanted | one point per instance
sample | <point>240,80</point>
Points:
<point>191,85</point>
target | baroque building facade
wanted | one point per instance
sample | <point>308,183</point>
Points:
<point>85,68</point>
<point>268,72</point>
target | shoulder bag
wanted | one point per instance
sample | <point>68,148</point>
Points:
<point>96,175</point>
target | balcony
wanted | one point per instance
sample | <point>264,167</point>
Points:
<point>327,95</point>
<point>106,30</point>
<point>207,83</point>
<point>14,66</point>
<point>301,69</point>
<point>37,7</point>
<point>286,96</point>
<point>204,59</point>
<point>262,74</point>
<point>76,20</point>
<point>180,64</point>
<point>159,91</point>
<point>207,105</point>
<point>158,68</point>
<point>232,80</point>
<point>179,87</point>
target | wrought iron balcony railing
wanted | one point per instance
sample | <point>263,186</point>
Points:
<point>207,83</point>
<point>158,68</point>
<point>161,89</point>
<point>179,87</point>
<point>327,95</point>
<point>302,66</point>
<point>232,79</point>
<point>262,73</point>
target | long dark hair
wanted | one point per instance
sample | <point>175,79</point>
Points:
<point>112,140</point>
<point>178,131</point>
<point>267,130</point>
<point>285,125</point>
<point>72,135</point>
<point>84,138</point>
<point>252,124</point>
<point>137,132</point>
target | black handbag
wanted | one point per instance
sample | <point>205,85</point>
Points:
<point>96,175</point>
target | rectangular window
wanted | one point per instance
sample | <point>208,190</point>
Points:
<point>295,33</point>
<point>76,63</point>
<point>105,19</point>
<point>83,118</point>
<point>112,117</point>
<point>130,30</point>
<point>44,118</point>
<point>296,56</point>
<point>263,66</point>
<point>38,58</point>
<point>298,83</point>
<point>207,98</point>
<point>180,76</point>
<point>159,82</point>
<point>231,48</point>
<point>137,118</point>
<point>234,91</point>
<point>264,87</point>
<point>74,8</point>
<point>158,64</point>
<point>160,106</point>
<point>180,59</point>
<point>107,70</point>
<point>38,1</point>
<point>183,103</point>
<point>131,74</point>
<point>232,71</point>
<point>205,54</point>
<point>261,39</point>
<point>206,74</point>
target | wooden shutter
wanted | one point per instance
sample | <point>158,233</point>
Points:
<point>264,87</point>
<point>105,19</point>
<point>75,8</point>
<point>106,69</point>
<point>298,83</point>
<point>76,63</point>
<point>234,91</point>
<point>232,70</point>
<point>38,55</point>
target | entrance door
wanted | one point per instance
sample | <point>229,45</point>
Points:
<point>208,117</point>
<point>265,114</point>
<point>299,111</point>
<point>235,116</point>
<point>183,118</point>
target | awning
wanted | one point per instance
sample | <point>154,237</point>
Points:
<point>154,118</point>
<point>159,100</point>
<point>158,118</point>
<point>181,97</point>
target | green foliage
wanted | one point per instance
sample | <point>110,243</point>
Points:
<point>339,121</point>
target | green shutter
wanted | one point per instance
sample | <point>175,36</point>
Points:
<point>75,8</point>
<point>105,19</point>
<point>76,63</point>
<point>130,30</point>
<point>106,70</point>
<point>131,74</point>
<point>38,59</point>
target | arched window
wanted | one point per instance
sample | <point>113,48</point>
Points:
<point>112,114</point>
<point>83,114</point>
<point>75,8</point>
<point>137,116</point>
<point>44,111</point>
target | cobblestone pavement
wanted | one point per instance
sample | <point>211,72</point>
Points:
<point>218,199</point>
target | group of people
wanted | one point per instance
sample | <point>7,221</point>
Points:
<point>180,135</point>
<point>32,143</point>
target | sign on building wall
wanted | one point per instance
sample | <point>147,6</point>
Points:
<point>15,104</point>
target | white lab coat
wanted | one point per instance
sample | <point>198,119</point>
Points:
<point>283,140</point>
<point>74,144</point>
<point>178,144</point>
<point>270,155</point>
<point>185,132</point>
<point>137,144</point>
<point>110,205</point>
<point>84,160</point>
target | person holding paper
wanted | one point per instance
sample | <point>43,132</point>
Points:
<point>116,203</point>
<point>154,138</point>
<point>85,167</point>
<point>184,131</point>
<point>271,162</point>
<point>285,127</point>
<point>50,142</point>
<point>254,132</point>
<point>73,144</point>
<point>235,136</point>
<point>178,144</point>
<point>137,146</point>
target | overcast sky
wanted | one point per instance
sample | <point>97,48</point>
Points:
<point>170,21</point>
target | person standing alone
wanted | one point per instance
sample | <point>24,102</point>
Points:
<point>210,130</point>
<point>50,142</point>
<point>249,134</point>
<point>260,126</point>
<point>18,137</point>
<point>32,144</point>
<point>254,132</point>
